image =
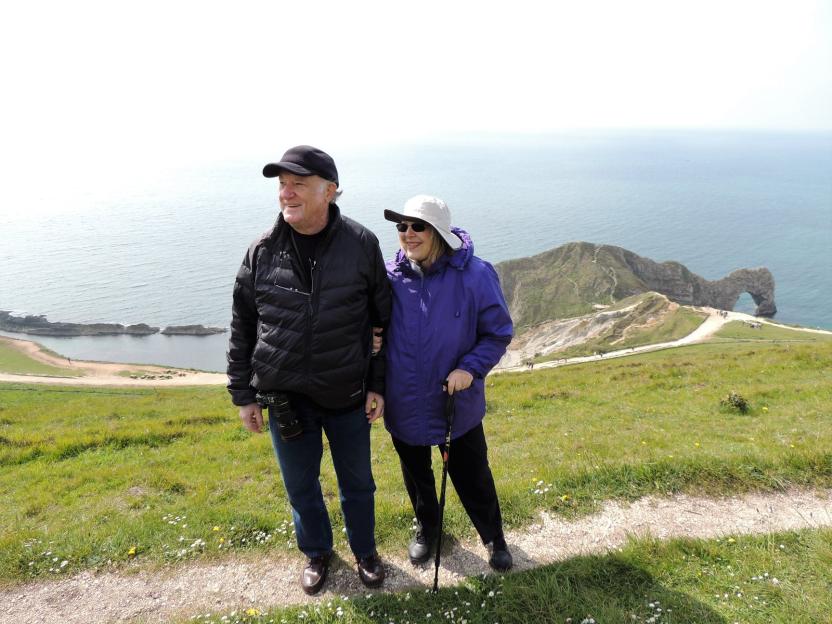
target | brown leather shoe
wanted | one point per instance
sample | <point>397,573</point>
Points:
<point>370,570</point>
<point>314,574</point>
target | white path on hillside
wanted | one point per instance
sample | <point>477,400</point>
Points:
<point>271,581</point>
<point>706,329</point>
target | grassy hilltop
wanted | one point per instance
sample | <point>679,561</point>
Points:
<point>563,282</point>
<point>110,478</point>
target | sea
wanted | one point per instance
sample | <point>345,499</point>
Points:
<point>165,252</point>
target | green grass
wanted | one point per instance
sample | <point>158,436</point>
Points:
<point>772,579</point>
<point>738,330</point>
<point>17,363</point>
<point>89,474</point>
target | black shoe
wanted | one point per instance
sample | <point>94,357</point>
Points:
<point>314,574</point>
<point>500,558</point>
<point>370,570</point>
<point>420,548</point>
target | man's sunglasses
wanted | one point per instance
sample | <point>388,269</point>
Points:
<point>416,227</point>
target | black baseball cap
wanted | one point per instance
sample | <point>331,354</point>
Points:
<point>304,160</point>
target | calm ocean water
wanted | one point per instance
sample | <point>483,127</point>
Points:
<point>167,254</point>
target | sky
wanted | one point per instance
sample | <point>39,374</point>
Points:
<point>110,90</point>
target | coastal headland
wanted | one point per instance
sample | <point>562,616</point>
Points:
<point>579,300</point>
<point>570,280</point>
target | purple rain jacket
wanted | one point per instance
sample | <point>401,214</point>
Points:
<point>453,316</point>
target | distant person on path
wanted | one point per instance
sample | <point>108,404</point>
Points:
<point>306,298</point>
<point>449,322</point>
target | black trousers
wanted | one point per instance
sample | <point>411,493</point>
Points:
<point>471,475</point>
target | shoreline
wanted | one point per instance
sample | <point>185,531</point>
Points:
<point>92,373</point>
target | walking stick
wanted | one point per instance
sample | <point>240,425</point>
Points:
<point>449,418</point>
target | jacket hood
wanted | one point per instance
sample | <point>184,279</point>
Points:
<point>458,259</point>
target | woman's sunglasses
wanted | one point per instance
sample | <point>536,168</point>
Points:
<point>416,227</point>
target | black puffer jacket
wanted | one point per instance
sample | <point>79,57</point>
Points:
<point>316,342</point>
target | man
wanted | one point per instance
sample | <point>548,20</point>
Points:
<point>306,298</point>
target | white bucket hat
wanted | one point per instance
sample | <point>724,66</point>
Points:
<point>430,210</point>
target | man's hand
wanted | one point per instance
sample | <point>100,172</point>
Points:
<point>374,407</point>
<point>252,417</point>
<point>459,380</point>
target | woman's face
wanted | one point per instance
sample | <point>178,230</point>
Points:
<point>417,246</point>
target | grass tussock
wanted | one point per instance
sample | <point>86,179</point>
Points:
<point>103,478</point>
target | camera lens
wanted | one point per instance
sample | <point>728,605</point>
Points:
<point>288,425</point>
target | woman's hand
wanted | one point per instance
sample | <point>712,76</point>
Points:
<point>378,332</point>
<point>459,380</point>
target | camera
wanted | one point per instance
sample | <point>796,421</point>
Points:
<point>288,425</point>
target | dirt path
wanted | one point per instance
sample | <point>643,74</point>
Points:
<point>271,581</point>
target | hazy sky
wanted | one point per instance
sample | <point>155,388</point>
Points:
<point>107,86</point>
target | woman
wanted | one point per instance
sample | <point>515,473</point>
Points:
<point>449,323</point>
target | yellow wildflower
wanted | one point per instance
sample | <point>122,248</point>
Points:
<point>251,611</point>
<point>131,552</point>
<point>216,528</point>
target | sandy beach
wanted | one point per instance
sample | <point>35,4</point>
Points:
<point>83,373</point>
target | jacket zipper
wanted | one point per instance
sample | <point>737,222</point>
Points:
<point>310,309</point>
<point>421,351</point>
<point>290,289</point>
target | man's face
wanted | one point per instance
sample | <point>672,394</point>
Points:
<point>304,201</point>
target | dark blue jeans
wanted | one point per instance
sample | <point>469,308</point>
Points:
<point>348,434</point>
